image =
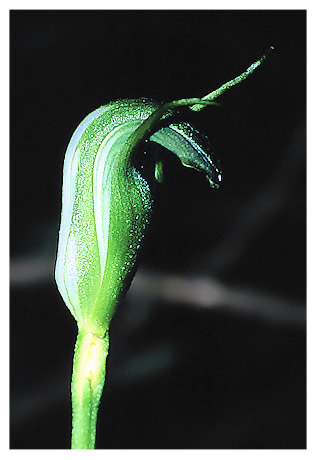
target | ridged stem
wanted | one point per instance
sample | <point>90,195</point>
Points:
<point>86,387</point>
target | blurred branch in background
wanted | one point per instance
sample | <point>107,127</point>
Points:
<point>253,216</point>
<point>210,293</point>
<point>198,292</point>
<point>30,271</point>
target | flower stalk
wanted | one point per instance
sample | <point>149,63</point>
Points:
<point>87,385</point>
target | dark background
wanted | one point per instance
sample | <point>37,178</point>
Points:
<point>208,348</point>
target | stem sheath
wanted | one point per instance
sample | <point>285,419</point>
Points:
<point>86,387</point>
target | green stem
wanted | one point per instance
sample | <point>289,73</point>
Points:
<point>86,387</point>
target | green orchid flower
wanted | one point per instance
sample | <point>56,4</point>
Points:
<point>107,200</point>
